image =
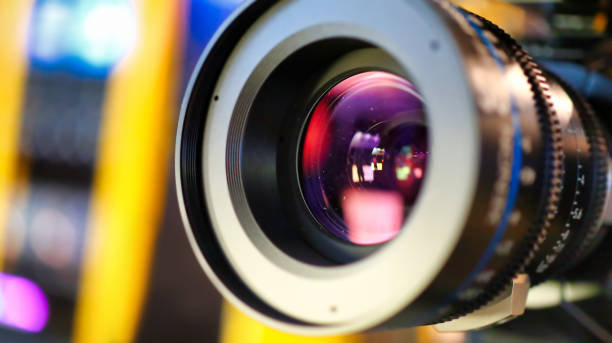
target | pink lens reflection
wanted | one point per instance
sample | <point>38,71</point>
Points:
<point>368,133</point>
<point>372,216</point>
<point>23,304</point>
<point>316,141</point>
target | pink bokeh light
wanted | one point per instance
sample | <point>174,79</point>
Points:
<point>24,306</point>
<point>372,216</point>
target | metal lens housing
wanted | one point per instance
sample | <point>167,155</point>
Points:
<point>492,199</point>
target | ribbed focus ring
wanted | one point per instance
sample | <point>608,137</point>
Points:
<point>598,150</point>
<point>553,171</point>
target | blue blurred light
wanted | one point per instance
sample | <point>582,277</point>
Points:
<point>48,30</point>
<point>231,4</point>
<point>83,37</point>
<point>205,17</point>
<point>106,34</point>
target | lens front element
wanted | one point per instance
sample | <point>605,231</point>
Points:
<point>364,157</point>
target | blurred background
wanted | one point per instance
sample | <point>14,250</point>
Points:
<point>92,248</point>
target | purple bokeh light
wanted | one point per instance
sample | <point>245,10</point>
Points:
<point>23,305</point>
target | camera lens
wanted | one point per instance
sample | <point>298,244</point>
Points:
<point>391,165</point>
<point>364,157</point>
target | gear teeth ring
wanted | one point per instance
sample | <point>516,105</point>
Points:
<point>553,171</point>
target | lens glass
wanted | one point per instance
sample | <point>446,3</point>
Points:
<point>364,157</point>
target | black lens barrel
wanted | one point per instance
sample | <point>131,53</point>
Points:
<point>568,185</point>
<point>577,227</point>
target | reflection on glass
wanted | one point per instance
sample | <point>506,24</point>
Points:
<point>364,156</point>
<point>372,216</point>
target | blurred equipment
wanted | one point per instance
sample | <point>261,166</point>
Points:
<point>85,141</point>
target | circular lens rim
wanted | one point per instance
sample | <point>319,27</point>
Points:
<point>405,289</point>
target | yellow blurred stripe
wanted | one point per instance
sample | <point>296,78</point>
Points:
<point>237,327</point>
<point>430,335</point>
<point>509,17</point>
<point>131,178</point>
<point>14,18</point>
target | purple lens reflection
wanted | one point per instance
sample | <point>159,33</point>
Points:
<point>364,157</point>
